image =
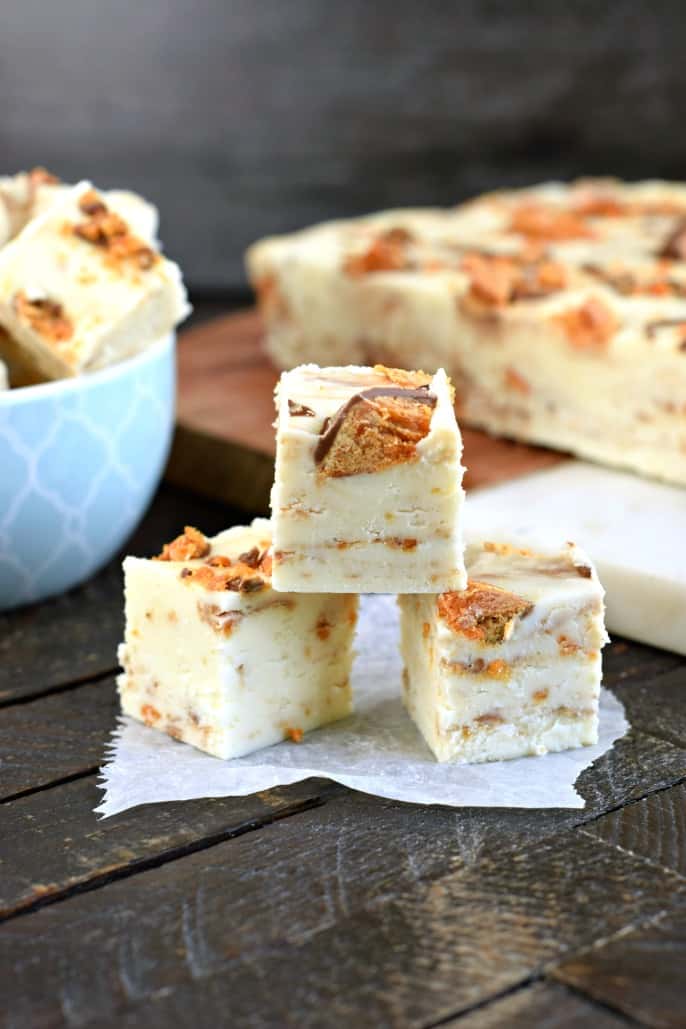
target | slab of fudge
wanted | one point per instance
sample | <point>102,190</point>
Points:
<point>367,491</point>
<point>28,194</point>
<point>214,657</point>
<point>80,291</point>
<point>510,666</point>
<point>533,300</point>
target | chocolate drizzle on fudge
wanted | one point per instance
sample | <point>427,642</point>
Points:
<point>296,410</point>
<point>375,429</point>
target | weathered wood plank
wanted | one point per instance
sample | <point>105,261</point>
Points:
<point>542,1005</point>
<point>654,828</point>
<point>641,973</point>
<point>355,910</point>
<point>61,640</point>
<point>53,842</point>
<point>66,734</point>
<point>74,637</point>
<point>55,737</point>
<point>657,706</point>
<point>626,663</point>
<point>637,765</point>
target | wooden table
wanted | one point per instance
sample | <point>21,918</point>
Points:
<point>313,905</point>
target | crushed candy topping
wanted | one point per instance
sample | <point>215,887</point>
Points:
<point>498,281</point>
<point>109,231</point>
<point>546,221</point>
<point>590,326</point>
<point>386,253</point>
<point>189,546</point>
<point>46,317</point>
<point>247,573</point>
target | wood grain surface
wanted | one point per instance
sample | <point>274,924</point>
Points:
<point>312,905</point>
<point>224,443</point>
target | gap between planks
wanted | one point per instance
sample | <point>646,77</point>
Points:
<point>332,789</point>
<point>521,987</point>
<point>166,857</point>
<point>54,784</point>
<point>546,972</point>
<point>63,687</point>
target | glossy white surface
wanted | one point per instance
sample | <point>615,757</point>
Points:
<point>632,528</point>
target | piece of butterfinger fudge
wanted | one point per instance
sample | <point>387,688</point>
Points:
<point>27,194</point>
<point>368,482</point>
<point>510,666</point>
<point>79,290</point>
<point>214,657</point>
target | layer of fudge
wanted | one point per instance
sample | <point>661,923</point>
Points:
<point>559,311</point>
<point>367,490</point>
<point>214,657</point>
<point>510,666</point>
<point>4,377</point>
<point>79,290</point>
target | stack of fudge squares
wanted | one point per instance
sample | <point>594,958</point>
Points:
<point>240,641</point>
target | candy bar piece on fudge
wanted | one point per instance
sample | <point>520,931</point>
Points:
<point>367,493</point>
<point>510,666</point>
<point>79,290</point>
<point>214,657</point>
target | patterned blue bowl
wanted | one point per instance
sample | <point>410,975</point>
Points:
<point>79,462</point>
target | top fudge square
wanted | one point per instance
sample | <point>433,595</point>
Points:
<point>368,485</point>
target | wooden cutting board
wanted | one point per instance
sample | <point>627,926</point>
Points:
<point>224,441</point>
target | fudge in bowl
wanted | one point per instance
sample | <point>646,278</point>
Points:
<point>88,307</point>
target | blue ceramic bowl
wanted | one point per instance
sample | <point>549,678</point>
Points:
<point>79,462</point>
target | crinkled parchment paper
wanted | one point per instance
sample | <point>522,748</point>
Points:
<point>377,750</point>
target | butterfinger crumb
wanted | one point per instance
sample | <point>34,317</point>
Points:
<point>189,546</point>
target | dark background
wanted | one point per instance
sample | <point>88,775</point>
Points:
<point>247,117</point>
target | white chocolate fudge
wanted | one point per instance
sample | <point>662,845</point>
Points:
<point>367,490</point>
<point>559,311</point>
<point>79,290</point>
<point>510,666</point>
<point>28,194</point>
<point>214,657</point>
<point>4,378</point>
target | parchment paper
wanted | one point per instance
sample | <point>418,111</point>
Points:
<point>378,750</point>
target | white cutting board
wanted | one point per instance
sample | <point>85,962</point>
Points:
<point>633,529</point>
